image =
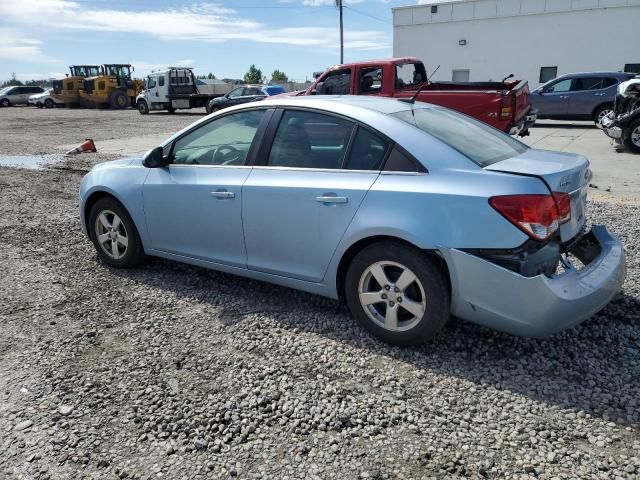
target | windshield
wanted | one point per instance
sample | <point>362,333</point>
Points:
<point>118,70</point>
<point>479,142</point>
<point>4,90</point>
<point>273,90</point>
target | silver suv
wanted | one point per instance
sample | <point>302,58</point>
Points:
<point>17,95</point>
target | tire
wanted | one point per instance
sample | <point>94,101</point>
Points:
<point>633,139</point>
<point>127,244</point>
<point>601,112</point>
<point>426,289</point>
<point>118,100</point>
<point>5,102</point>
<point>170,109</point>
<point>39,105</point>
<point>48,103</point>
<point>143,107</point>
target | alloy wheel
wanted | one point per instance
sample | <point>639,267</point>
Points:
<point>635,136</point>
<point>111,234</point>
<point>601,115</point>
<point>392,296</point>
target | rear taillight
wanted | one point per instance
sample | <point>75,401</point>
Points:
<point>563,202</point>
<point>505,113</point>
<point>535,215</point>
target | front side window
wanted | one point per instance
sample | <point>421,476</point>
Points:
<point>561,86</point>
<point>236,93</point>
<point>410,74</point>
<point>336,83</point>
<point>223,141</point>
<point>249,91</point>
<point>310,140</point>
<point>548,73</point>
<point>370,80</point>
<point>151,83</point>
<point>478,141</point>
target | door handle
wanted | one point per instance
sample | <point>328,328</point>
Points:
<point>599,94</point>
<point>332,199</point>
<point>563,96</point>
<point>223,194</point>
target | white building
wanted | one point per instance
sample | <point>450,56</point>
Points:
<point>536,40</point>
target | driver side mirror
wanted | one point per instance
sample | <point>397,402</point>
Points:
<point>154,158</point>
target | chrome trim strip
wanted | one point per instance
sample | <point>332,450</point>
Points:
<point>299,169</point>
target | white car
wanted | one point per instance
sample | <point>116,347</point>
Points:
<point>44,100</point>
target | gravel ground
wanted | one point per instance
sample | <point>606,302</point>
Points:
<point>176,372</point>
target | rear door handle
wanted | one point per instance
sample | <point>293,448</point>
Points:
<point>563,96</point>
<point>599,94</point>
<point>332,199</point>
<point>222,194</point>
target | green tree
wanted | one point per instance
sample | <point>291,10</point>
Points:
<point>211,76</point>
<point>278,76</point>
<point>254,75</point>
<point>13,82</point>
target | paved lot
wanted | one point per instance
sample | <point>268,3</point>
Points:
<point>617,171</point>
<point>175,372</point>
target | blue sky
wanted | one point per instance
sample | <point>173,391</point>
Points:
<point>40,38</point>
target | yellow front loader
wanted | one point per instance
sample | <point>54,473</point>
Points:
<point>113,87</point>
<point>68,89</point>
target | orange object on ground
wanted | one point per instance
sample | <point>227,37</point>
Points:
<point>86,146</point>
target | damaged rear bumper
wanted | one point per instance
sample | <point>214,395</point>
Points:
<point>485,293</point>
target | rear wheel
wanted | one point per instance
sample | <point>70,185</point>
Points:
<point>48,103</point>
<point>171,109</point>
<point>114,234</point>
<point>600,113</point>
<point>633,140</point>
<point>118,100</point>
<point>143,108</point>
<point>397,293</point>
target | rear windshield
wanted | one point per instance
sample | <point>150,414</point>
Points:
<point>479,142</point>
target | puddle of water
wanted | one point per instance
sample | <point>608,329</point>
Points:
<point>33,162</point>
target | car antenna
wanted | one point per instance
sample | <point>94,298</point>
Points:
<point>412,100</point>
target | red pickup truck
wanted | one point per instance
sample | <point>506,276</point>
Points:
<point>503,105</point>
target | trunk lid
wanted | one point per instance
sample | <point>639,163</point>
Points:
<point>562,172</point>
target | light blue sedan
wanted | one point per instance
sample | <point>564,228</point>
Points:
<point>409,212</point>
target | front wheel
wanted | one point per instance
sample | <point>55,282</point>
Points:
<point>5,103</point>
<point>143,108</point>
<point>633,139</point>
<point>118,100</point>
<point>114,234</point>
<point>48,103</point>
<point>39,105</point>
<point>397,293</point>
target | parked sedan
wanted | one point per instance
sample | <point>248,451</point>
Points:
<point>578,96</point>
<point>44,100</point>
<point>407,211</point>
<point>18,95</point>
<point>243,94</point>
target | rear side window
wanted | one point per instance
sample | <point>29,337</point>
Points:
<point>368,151</point>
<point>310,140</point>
<point>479,142</point>
<point>161,81</point>
<point>592,83</point>
<point>398,161</point>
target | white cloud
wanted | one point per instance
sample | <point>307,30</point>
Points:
<point>201,21</point>
<point>13,46</point>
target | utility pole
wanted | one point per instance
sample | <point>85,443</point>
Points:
<point>339,2</point>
